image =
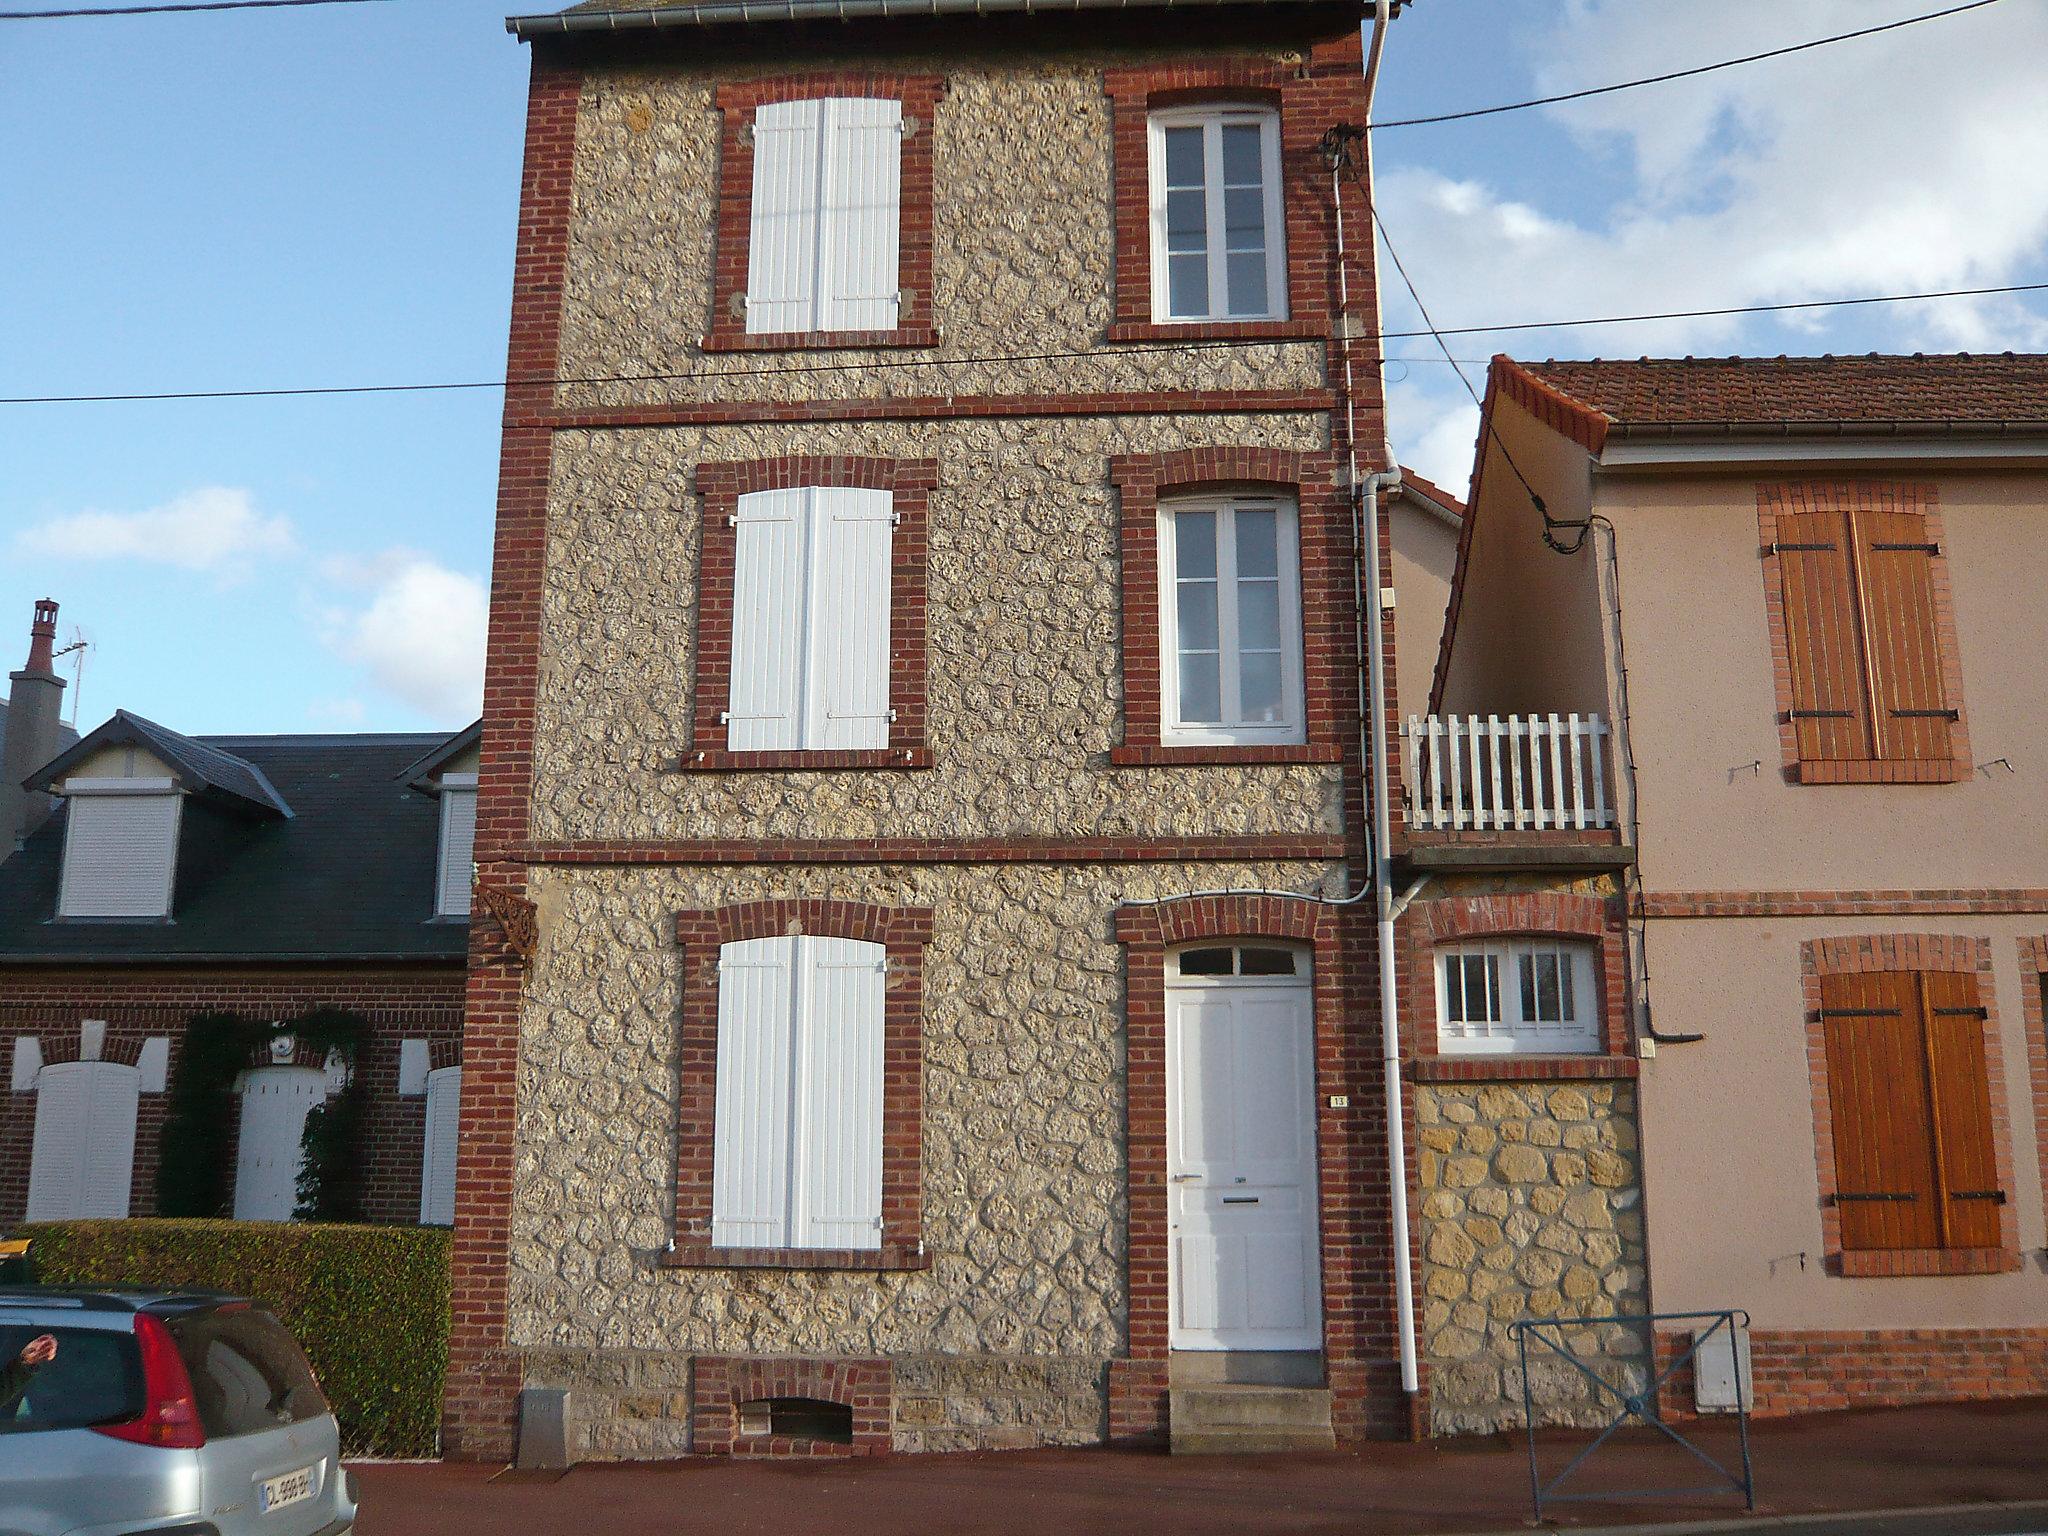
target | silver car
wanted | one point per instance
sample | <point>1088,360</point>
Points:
<point>161,1414</point>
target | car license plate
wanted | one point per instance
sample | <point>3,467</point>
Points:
<point>292,1488</point>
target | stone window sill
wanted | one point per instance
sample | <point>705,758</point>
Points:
<point>704,1256</point>
<point>1153,754</point>
<point>819,341</point>
<point>709,760</point>
<point>1901,1263</point>
<point>1513,1069</point>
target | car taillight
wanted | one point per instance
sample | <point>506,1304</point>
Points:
<point>170,1413</point>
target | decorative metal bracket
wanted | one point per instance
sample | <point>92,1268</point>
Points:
<point>517,920</point>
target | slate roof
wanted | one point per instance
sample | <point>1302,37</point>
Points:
<point>1938,392</point>
<point>201,766</point>
<point>348,875</point>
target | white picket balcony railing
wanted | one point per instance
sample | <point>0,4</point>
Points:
<point>1483,773</point>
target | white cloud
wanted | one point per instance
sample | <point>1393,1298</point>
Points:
<point>341,714</point>
<point>1895,163</point>
<point>215,529</point>
<point>417,634</point>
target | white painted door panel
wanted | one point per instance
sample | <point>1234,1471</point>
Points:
<point>275,1102</point>
<point>82,1160</point>
<point>1241,1165</point>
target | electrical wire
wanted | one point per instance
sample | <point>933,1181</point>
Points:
<point>1681,74</point>
<point>77,13</point>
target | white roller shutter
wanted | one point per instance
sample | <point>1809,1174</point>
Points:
<point>769,603</point>
<point>83,1158</point>
<point>458,850</point>
<point>848,705</point>
<point>839,1190</point>
<point>798,1159</point>
<point>825,223</point>
<point>437,1158</point>
<point>120,851</point>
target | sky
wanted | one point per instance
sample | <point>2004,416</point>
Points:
<point>329,196</point>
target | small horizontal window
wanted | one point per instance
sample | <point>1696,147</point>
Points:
<point>1239,960</point>
<point>799,1418</point>
<point>1518,996</point>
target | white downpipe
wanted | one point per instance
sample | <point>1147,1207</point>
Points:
<point>1367,510</point>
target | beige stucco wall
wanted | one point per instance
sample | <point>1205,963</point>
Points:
<point>121,762</point>
<point>1425,551</point>
<point>1731,1184</point>
<point>1025,614</point>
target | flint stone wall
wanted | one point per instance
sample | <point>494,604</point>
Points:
<point>1024,1182</point>
<point>1024,609</point>
<point>1532,1208</point>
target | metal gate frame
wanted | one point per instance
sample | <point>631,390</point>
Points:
<point>1638,1406</point>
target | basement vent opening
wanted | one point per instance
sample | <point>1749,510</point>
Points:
<point>798,1418</point>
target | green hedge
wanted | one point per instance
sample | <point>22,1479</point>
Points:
<point>370,1304</point>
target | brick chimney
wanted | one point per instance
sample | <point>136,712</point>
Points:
<point>35,697</point>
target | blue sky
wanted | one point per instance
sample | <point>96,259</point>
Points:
<point>329,195</point>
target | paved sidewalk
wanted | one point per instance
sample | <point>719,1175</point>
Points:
<point>1879,1459</point>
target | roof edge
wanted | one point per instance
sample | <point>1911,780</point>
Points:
<point>724,12</point>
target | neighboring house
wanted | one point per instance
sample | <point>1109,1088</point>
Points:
<point>1800,928</point>
<point>1424,522</point>
<point>902,679</point>
<point>266,876</point>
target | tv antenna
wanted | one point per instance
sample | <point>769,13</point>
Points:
<point>76,651</point>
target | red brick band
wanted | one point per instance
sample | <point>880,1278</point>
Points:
<point>1798,1371</point>
<point>1984,902</point>
<point>911,850</point>
<point>1133,402</point>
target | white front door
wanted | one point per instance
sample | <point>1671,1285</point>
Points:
<point>1243,1251</point>
<point>275,1101</point>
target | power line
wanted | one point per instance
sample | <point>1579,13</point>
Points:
<point>1683,74</point>
<point>78,12</point>
<point>876,366</point>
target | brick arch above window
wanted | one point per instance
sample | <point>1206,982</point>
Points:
<point>1182,920</point>
<point>1142,481</point>
<point>720,485</point>
<point>816,917</point>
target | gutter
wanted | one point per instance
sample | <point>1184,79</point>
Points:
<point>720,12</point>
<point>1827,429</point>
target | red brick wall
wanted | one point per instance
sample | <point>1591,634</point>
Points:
<point>1816,1372</point>
<point>719,1384</point>
<point>424,1002</point>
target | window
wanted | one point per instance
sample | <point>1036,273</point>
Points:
<point>82,1160</point>
<point>456,869</point>
<point>797,1159</point>
<point>1869,682</point>
<point>810,620</point>
<point>1230,626</point>
<point>826,216</point>
<point>120,848</point>
<point>248,1373</point>
<point>1909,1109</point>
<point>1517,996</point>
<point>1238,960</point>
<point>1219,250</point>
<point>95,1379</point>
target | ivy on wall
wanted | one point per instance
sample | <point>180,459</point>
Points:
<point>195,1172</point>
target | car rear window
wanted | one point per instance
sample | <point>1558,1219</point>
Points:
<point>95,1379</point>
<point>247,1371</point>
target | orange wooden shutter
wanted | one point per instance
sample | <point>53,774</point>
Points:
<point>1877,1100</point>
<point>1960,1094</point>
<point>1830,703</point>
<point>1895,564</point>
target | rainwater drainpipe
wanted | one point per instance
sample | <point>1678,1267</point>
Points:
<point>1365,577</point>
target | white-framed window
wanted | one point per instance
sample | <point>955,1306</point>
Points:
<point>810,620</point>
<point>455,868</point>
<point>1220,962</point>
<point>826,219</point>
<point>1230,621</point>
<point>120,848</point>
<point>797,1128</point>
<point>1219,243</point>
<point>1502,997</point>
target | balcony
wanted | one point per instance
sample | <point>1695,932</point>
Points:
<point>1510,791</point>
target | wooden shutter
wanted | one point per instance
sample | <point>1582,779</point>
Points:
<point>56,1170</point>
<point>1886,1193</point>
<point>458,851</point>
<point>110,1144</point>
<point>120,851</point>
<point>437,1156</point>
<point>1960,1099</point>
<point>782,239</point>
<point>861,197</point>
<point>1830,702</point>
<point>1896,570</point>
<point>839,1100</point>
<point>769,603</point>
<point>751,1164</point>
<point>848,664</point>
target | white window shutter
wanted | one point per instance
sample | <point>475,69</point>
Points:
<point>120,851</point>
<point>437,1157</point>
<point>750,1179</point>
<point>769,602</point>
<point>458,851</point>
<point>782,242</point>
<point>56,1170</point>
<point>840,1096</point>
<point>848,703</point>
<point>862,199</point>
<point>110,1153</point>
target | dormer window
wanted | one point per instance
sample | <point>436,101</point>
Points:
<point>458,845</point>
<point>120,848</point>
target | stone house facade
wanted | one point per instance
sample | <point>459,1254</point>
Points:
<point>1021,833</point>
<point>1795,598</point>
